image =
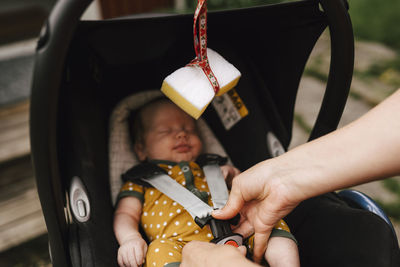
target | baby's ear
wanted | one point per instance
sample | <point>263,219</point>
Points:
<point>138,147</point>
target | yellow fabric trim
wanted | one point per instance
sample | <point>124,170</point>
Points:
<point>130,189</point>
<point>129,186</point>
<point>281,225</point>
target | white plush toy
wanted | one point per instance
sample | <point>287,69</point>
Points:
<point>194,86</point>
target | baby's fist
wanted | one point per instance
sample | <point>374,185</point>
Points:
<point>132,252</point>
<point>229,173</point>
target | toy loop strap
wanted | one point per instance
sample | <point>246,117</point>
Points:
<point>200,47</point>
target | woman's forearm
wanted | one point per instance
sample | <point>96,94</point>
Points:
<point>365,150</point>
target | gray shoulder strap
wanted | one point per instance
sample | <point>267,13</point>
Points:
<point>217,185</point>
<point>168,186</point>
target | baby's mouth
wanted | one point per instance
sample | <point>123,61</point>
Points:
<point>182,148</point>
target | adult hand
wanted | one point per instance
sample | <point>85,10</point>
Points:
<point>132,252</point>
<point>199,254</point>
<point>262,199</point>
<point>365,150</point>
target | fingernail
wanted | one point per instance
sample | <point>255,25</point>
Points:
<point>216,212</point>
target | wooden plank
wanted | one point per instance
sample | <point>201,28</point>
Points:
<point>21,215</point>
<point>14,171</point>
<point>23,230</point>
<point>18,187</point>
<point>17,207</point>
<point>14,133</point>
<point>21,23</point>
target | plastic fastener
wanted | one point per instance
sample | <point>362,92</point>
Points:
<point>81,208</point>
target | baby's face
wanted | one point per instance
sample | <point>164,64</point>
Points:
<point>169,134</point>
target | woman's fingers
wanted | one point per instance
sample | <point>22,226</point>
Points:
<point>245,228</point>
<point>232,207</point>
<point>120,260</point>
<point>242,250</point>
<point>260,245</point>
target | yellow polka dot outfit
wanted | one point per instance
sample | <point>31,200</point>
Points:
<point>166,223</point>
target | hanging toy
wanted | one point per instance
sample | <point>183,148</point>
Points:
<point>194,86</point>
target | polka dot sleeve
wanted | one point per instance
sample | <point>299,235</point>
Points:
<point>130,189</point>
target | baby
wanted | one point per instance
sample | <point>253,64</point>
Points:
<point>168,138</point>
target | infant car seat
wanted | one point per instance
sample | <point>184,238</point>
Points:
<point>84,68</point>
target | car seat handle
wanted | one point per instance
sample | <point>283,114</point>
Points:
<point>53,43</point>
<point>63,19</point>
<point>341,67</point>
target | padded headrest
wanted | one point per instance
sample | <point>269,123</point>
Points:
<point>121,155</point>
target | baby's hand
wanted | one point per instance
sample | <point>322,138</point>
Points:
<point>132,252</point>
<point>229,173</point>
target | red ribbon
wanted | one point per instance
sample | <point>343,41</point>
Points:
<point>200,43</point>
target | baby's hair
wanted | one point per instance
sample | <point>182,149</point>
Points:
<point>135,120</point>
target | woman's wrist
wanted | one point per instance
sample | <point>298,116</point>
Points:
<point>279,175</point>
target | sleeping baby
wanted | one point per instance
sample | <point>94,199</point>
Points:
<point>166,136</point>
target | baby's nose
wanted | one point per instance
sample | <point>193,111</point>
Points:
<point>181,134</point>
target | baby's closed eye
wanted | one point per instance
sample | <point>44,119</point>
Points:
<point>164,130</point>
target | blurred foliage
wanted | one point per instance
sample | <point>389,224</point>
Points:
<point>376,20</point>
<point>386,71</point>
<point>226,4</point>
<point>393,186</point>
<point>392,209</point>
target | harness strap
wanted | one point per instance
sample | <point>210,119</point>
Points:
<point>168,186</point>
<point>215,179</point>
<point>199,210</point>
<point>187,172</point>
<point>216,184</point>
<point>149,174</point>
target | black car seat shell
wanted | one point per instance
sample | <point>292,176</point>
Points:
<point>84,68</point>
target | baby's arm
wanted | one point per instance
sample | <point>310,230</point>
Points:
<point>133,248</point>
<point>282,252</point>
